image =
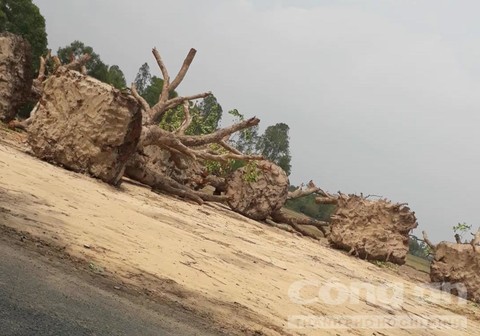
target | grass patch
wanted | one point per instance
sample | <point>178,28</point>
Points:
<point>384,264</point>
<point>420,264</point>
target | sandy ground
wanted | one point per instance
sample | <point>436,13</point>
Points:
<point>245,275</point>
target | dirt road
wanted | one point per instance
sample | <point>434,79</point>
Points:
<point>43,297</point>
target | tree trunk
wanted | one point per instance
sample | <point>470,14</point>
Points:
<point>15,75</point>
<point>85,125</point>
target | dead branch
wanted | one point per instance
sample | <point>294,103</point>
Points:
<point>227,156</point>
<point>281,226</point>
<point>143,103</point>
<point>301,192</point>
<point>428,242</point>
<point>78,63</point>
<point>282,217</point>
<point>157,112</point>
<point>41,71</point>
<point>154,135</point>
<point>188,119</point>
<point>166,78</point>
<point>183,70</point>
<point>326,200</point>
<point>138,171</point>
<point>476,240</point>
<point>229,148</point>
<point>218,135</point>
<point>57,63</point>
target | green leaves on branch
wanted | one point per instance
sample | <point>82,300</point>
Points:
<point>461,229</point>
<point>251,172</point>
<point>219,168</point>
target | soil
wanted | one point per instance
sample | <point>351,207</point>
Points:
<point>237,273</point>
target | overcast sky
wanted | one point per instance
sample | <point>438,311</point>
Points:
<point>382,96</point>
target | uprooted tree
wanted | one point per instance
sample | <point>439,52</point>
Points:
<point>89,126</point>
<point>456,266</point>
<point>86,125</point>
<point>372,229</point>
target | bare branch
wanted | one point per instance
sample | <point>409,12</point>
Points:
<point>283,217</point>
<point>23,125</point>
<point>141,100</point>
<point>162,106</point>
<point>188,118</point>
<point>219,134</point>
<point>476,240</point>
<point>166,78</point>
<point>41,71</point>
<point>377,196</point>
<point>326,200</point>
<point>57,63</point>
<point>232,149</point>
<point>77,64</point>
<point>227,156</point>
<point>300,192</point>
<point>183,70</point>
<point>428,242</point>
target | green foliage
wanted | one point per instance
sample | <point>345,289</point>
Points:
<point>274,145</point>
<point>419,263</point>
<point>461,229</point>
<point>112,75</point>
<point>143,79</point>
<point>245,140</point>
<point>309,207</point>
<point>152,92</point>
<point>251,172</point>
<point>116,78</point>
<point>218,168</point>
<point>206,116</point>
<point>418,248</point>
<point>172,119</point>
<point>22,17</point>
<point>95,67</point>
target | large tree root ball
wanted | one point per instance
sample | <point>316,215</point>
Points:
<point>257,190</point>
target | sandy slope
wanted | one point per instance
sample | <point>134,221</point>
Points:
<point>209,258</point>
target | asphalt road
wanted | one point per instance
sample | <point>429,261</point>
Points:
<point>39,298</point>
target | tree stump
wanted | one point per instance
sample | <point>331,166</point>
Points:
<point>15,74</point>
<point>85,125</point>
<point>457,266</point>
<point>257,194</point>
<point>372,229</point>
